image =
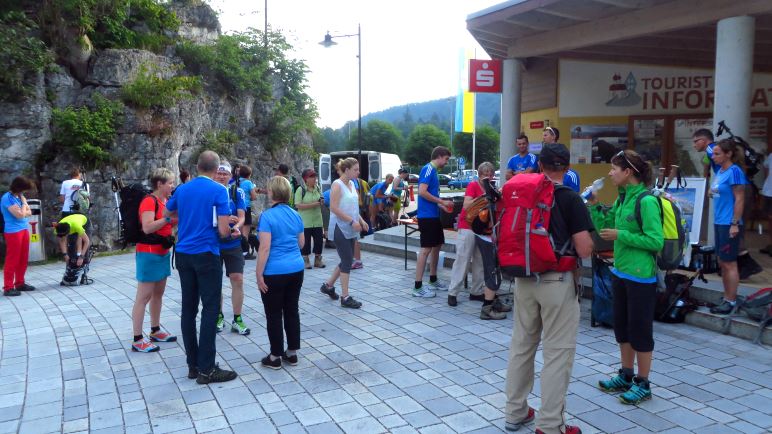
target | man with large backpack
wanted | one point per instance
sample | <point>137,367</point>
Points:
<point>70,187</point>
<point>547,304</point>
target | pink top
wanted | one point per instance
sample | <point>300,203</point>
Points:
<point>473,190</point>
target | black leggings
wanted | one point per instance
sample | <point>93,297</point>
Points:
<point>281,305</point>
<point>634,313</point>
<point>315,234</point>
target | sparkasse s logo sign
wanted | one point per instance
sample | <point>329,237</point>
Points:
<point>485,76</point>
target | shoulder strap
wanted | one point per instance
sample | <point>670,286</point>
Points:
<point>638,216</point>
<point>303,192</point>
<point>233,192</point>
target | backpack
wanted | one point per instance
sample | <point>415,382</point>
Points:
<point>131,228</point>
<point>293,187</point>
<point>758,307</point>
<point>478,216</point>
<point>525,246</point>
<point>81,200</point>
<point>674,302</point>
<point>673,229</point>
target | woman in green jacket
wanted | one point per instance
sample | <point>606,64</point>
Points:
<point>634,273</point>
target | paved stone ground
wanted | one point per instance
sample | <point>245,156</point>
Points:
<point>399,365</point>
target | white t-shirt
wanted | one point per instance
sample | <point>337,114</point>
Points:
<point>767,189</point>
<point>68,187</point>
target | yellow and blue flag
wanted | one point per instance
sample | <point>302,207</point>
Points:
<point>465,110</point>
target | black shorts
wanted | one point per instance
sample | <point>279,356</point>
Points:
<point>248,216</point>
<point>432,234</point>
<point>634,313</point>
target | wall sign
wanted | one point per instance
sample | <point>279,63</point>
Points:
<point>618,89</point>
<point>485,76</point>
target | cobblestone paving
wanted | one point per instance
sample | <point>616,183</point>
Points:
<point>398,365</point>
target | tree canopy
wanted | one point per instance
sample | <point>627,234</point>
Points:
<point>487,145</point>
<point>422,140</point>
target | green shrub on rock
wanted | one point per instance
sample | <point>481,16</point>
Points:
<point>86,132</point>
<point>150,90</point>
<point>21,54</point>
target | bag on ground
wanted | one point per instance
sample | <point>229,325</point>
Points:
<point>602,310</point>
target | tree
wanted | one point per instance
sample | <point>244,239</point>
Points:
<point>379,136</point>
<point>407,124</point>
<point>496,121</point>
<point>487,145</point>
<point>421,141</point>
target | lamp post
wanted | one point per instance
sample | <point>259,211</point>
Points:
<point>328,42</point>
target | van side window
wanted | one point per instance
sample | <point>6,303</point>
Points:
<point>324,170</point>
<point>375,170</point>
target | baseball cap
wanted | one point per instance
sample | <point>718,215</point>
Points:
<point>224,167</point>
<point>308,173</point>
<point>283,168</point>
<point>555,154</point>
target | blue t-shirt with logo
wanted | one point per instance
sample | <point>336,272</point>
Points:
<point>519,163</point>
<point>571,179</point>
<point>234,207</point>
<point>284,224</point>
<point>709,158</point>
<point>723,197</point>
<point>247,185</point>
<point>198,204</point>
<point>429,177</point>
<point>12,223</point>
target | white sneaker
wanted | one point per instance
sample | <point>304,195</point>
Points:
<point>438,286</point>
<point>424,292</point>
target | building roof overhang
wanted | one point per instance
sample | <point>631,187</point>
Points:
<point>669,32</point>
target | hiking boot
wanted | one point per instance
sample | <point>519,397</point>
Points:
<point>306,263</point>
<point>318,263</point>
<point>350,303</point>
<point>291,360</point>
<point>500,306</point>
<point>452,301</point>
<point>239,327</point>
<point>13,292</point>
<point>724,308</point>
<point>488,312</point>
<point>216,375</point>
<point>567,429</point>
<point>640,391</point>
<point>438,286</point>
<point>144,346</point>
<point>514,426</point>
<point>476,297</point>
<point>192,372</point>
<point>329,290</point>
<point>357,264</point>
<point>220,322</point>
<point>273,364</point>
<point>615,384</point>
<point>161,336</point>
<point>25,287</point>
<point>424,292</point>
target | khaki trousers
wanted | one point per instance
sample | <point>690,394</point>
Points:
<point>466,252</point>
<point>547,311</point>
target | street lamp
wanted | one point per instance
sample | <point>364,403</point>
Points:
<point>328,42</point>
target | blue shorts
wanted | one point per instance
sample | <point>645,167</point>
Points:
<point>152,267</point>
<point>727,248</point>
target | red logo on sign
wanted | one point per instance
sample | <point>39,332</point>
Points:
<point>536,125</point>
<point>485,76</point>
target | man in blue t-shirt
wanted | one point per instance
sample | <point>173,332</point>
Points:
<point>231,254</point>
<point>432,234</point>
<point>201,206</point>
<point>703,141</point>
<point>523,161</point>
<point>571,179</point>
<point>250,194</point>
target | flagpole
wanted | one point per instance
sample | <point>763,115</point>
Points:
<point>474,132</point>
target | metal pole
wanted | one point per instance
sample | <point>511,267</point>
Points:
<point>359,56</point>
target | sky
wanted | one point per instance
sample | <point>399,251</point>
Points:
<point>410,48</point>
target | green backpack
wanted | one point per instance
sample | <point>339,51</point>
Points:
<point>673,228</point>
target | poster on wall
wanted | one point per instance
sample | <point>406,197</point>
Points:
<point>691,200</point>
<point>596,143</point>
<point>649,139</point>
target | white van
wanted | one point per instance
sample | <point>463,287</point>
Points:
<point>373,166</point>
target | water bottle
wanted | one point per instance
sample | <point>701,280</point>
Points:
<point>591,190</point>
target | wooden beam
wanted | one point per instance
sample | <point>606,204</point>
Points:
<point>502,12</point>
<point>529,24</point>
<point>665,17</point>
<point>566,15</point>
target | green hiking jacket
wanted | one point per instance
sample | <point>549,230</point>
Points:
<point>634,250</point>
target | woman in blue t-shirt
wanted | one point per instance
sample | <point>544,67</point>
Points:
<point>280,273</point>
<point>728,193</point>
<point>250,194</point>
<point>15,213</point>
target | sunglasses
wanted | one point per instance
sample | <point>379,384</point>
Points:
<point>632,166</point>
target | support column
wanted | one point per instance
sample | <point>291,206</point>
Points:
<point>733,83</point>
<point>510,112</point>
<point>734,73</point>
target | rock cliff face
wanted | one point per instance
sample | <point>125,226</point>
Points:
<point>146,139</point>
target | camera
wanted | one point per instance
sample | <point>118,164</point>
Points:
<point>491,192</point>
